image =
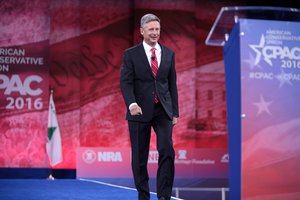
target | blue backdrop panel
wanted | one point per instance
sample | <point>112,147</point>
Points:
<point>262,59</point>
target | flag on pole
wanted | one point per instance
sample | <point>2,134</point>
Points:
<point>53,146</point>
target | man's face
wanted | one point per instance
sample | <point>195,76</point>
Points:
<point>151,32</point>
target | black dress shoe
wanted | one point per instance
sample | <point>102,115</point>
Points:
<point>162,198</point>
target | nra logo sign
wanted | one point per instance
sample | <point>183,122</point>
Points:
<point>89,156</point>
<point>110,156</point>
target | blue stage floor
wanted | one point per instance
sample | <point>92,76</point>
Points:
<point>65,189</point>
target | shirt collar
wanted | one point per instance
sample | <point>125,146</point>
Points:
<point>148,48</point>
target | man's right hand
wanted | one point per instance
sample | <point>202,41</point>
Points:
<point>136,110</point>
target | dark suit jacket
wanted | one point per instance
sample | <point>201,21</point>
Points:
<point>139,85</point>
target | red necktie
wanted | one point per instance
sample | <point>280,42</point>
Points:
<point>154,67</point>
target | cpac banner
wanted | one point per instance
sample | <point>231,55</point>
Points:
<point>23,101</point>
<point>271,109</point>
<point>116,162</point>
<point>23,78</point>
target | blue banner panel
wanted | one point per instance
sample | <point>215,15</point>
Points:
<point>270,109</point>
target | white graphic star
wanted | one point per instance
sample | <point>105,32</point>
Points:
<point>263,106</point>
<point>256,48</point>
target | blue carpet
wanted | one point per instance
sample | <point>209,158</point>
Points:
<point>63,189</point>
<point>181,183</point>
<point>98,189</point>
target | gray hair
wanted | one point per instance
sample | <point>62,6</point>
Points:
<point>148,18</point>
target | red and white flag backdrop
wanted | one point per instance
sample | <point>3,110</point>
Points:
<point>76,48</point>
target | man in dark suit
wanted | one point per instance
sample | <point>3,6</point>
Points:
<point>149,89</point>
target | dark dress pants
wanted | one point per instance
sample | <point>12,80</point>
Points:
<point>140,140</point>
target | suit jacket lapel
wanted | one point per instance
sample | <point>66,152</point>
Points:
<point>163,59</point>
<point>144,58</point>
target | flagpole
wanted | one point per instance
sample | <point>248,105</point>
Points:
<point>51,177</point>
<point>53,145</point>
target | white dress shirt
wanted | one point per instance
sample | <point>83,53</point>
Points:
<point>148,48</point>
<point>148,52</point>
